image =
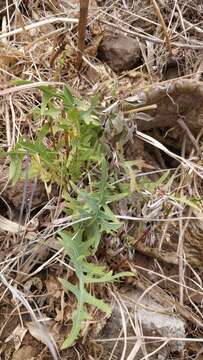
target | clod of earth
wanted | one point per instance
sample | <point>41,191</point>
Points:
<point>119,52</point>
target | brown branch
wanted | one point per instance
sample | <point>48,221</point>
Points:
<point>84,5</point>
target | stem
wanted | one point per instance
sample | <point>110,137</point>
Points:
<point>84,5</point>
<point>52,133</point>
<point>163,25</point>
<point>66,140</point>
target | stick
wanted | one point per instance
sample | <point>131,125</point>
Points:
<point>84,4</point>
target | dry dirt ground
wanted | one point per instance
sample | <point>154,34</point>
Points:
<point>145,58</point>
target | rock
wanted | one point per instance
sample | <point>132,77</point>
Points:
<point>157,322</point>
<point>119,52</point>
<point>154,320</point>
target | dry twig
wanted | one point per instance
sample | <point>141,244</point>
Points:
<point>84,4</point>
<point>162,22</point>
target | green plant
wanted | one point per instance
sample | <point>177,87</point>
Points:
<point>83,241</point>
<point>66,145</point>
<point>66,148</point>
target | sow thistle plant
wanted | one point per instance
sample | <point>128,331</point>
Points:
<point>64,150</point>
<point>66,144</point>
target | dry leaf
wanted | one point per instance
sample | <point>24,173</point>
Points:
<point>53,287</point>
<point>41,336</point>
<point>92,49</point>
<point>36,332</point>
<point>10,226</point>
<point>17,336</point>
<point>60,315</point>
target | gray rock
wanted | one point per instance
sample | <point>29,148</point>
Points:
<point>119,52</point>
<point>154,321</point>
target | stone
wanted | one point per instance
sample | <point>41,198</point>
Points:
<point>120,52</point>
<point>154,321</point>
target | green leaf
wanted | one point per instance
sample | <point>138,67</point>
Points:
<point>48,92</point>
<point>192,202</point>
<point>87,297</point>
<point>93,235</point>
<point>39,148</point>
<point>93,269</point>
<point>52,111</point>
<point>95,100</point>
<point>67,97</point>
<point>108,277</point>
<point>153,185</point>
<point>15,169</point>
<point>78,316</point>
<point>118,197</point>
<point>21,82</point>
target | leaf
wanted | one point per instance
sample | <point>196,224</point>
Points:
<point>67,97</point>
<point>37,147</point>
<point>100,304</point>
<point>21,82</point>
<point>79,315</point>
<point>87,297</point>
<point>192,202</point>
<point>45,129</point>
<point>15,169</point>
<point>118,197</point>
<point>93,235</point>
<point>78,318</point>
<point>108,277</point>
<point>93,269</point>
<point>48,92</point>
<point>162,179</point>
<point>74,246</point>
<point>52,111</point>
<point>95,100</point>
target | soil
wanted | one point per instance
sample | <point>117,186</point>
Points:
<point>3,10</point>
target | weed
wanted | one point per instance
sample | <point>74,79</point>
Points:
<point>66,148</point>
